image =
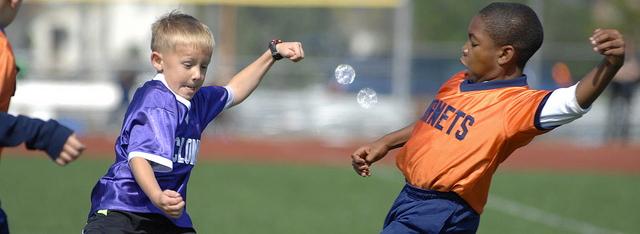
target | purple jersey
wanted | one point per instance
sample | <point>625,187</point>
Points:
<point>165,129</point>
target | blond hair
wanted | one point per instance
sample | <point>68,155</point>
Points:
<point>178,28</point>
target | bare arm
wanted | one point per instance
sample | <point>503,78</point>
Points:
<point>608,42</point>
<point>398,138</point>
<point>168,201</point>
<point>366,155</point>
<point>243,83</point>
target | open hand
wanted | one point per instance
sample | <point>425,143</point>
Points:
<point>170,202</point>
<point>610,43</point>
<point>291,50</point>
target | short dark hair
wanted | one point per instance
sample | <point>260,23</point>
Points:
<point>514,24</point>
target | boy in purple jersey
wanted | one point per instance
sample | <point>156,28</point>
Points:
<point>144,191</point>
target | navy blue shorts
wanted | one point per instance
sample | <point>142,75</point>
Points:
<point>426,211</point>
<point>4,224</point>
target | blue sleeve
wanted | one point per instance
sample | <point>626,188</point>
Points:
<point>49,136</point>
<point>210,101</point>
<point>152,137</point>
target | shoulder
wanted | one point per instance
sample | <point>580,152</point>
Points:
<point>4,45</point>
<point>456,78</point>
<point>3,39</point>
<point>212,90</point>
<point>453,83</point>
<point>153,94</point>
<point>522,92</point>
<point>154,90</point>
<point>211,94</point>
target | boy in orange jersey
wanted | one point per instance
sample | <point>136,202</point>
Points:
<point>58,141</point>
<point>8,68</point>
<point>478,118</point>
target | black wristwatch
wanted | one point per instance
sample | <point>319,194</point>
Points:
<point>274,52</point>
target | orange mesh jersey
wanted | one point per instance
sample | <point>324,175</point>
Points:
<point>468,130</point>
<point>8,72</point>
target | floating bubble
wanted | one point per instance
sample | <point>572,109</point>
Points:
<point>345,74</point>
<point>367,98</point>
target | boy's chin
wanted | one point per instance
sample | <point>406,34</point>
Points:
<point>464,63</point>
<point>187,95</point>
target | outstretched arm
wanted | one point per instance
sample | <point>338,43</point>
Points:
<point>58,141</point>
<point>243,83</point>
<point>366,155</point>
<point>608,42</point>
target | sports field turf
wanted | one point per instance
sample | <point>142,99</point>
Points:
<point>244,197</point>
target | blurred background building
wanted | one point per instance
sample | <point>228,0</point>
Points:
<point>80,61</point>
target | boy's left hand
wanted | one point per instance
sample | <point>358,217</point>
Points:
<point>610,43</point>
<point>71,150</point>
<point>291,50</point>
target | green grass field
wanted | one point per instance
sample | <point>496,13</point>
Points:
<point>241,197</point>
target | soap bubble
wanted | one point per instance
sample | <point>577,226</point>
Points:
<point>367,98</point>
<point>345,74</point>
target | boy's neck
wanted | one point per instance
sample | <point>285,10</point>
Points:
<point>502,74</point>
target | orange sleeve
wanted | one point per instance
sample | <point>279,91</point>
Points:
<point>522,113</point>
<point>8,72</point>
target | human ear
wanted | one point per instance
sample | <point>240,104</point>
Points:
<point>156,61</point>
<point>15,4</point>
<point>506,54</point>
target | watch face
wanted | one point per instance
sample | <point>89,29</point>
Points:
<point>274,51</point>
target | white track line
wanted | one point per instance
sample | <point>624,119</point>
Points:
<point>533,214</point>
<point>518,210</point>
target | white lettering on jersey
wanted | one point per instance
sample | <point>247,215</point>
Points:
<point>186,150</point>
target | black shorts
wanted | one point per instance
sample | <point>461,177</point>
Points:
<point>116,221</point>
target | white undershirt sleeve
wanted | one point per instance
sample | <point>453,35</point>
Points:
<point>561,108</point>
<point>158,163</point>
<point>231,97</point>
